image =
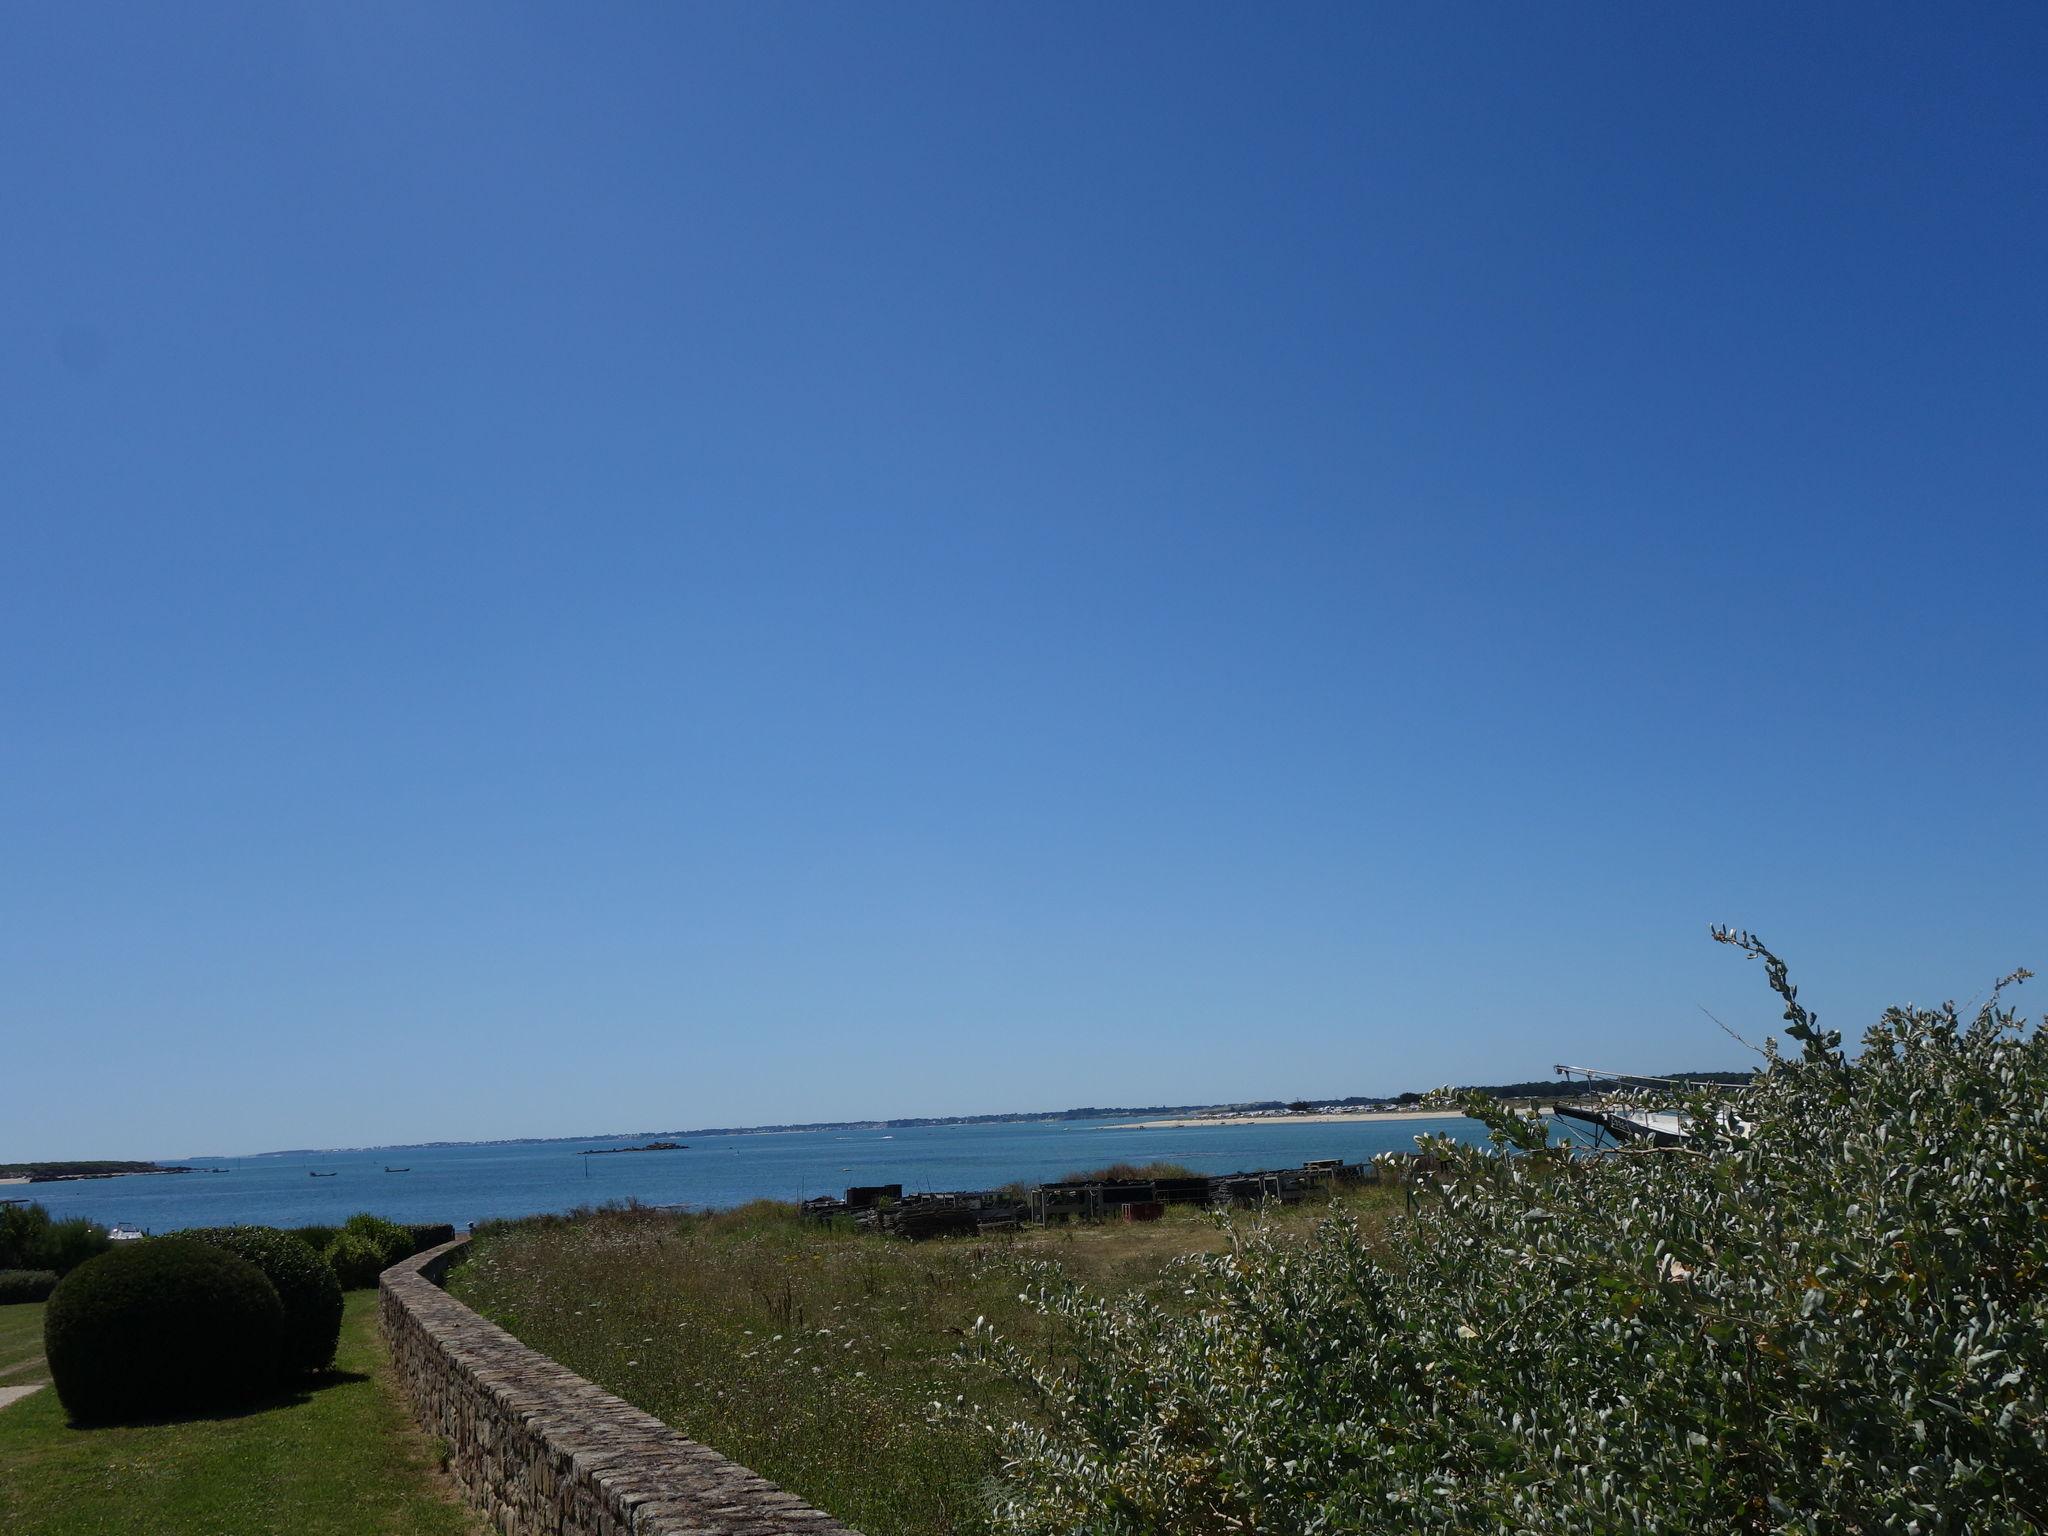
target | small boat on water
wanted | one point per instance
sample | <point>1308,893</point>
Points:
<point>398,1170</point>
<point>312,1175</point>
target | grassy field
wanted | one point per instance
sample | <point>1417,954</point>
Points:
<point>829,1360</point>
<point>21,1344</point>
<point>340,1459</point>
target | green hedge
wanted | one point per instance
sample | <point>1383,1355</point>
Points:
<point>26,1285</point>
<point>162,1327</point>
<point>365,1247</point>
<point>305,1284</point>
<point>356,1260</point>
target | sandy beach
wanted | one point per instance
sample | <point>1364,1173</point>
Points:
<point>1294,1120</point>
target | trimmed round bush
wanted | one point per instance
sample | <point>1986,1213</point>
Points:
<point>304,1281</point>
<point>26,1285</point>
<point>161,1327</point>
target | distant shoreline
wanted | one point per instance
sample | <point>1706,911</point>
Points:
<point>1349,1116</point>
<point>80,1178</point>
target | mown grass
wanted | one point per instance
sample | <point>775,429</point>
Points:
<point>21,1344</point>
<point>339,1459</point>
<point>830,1360</point>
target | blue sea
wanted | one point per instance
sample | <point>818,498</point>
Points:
<point>466,1184</point>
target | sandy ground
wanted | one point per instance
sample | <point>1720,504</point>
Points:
<point>17,1179</point>
<point>1294,1120</point>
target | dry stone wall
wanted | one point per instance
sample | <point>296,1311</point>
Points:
<point>537,1449</point>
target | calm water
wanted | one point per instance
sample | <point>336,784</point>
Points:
<point>465,1184</point>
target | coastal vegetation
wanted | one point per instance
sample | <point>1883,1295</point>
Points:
<point>832,1361</point>
<point>335,1456</point>
<point>30,1240</point>
<point>1823,1311</point>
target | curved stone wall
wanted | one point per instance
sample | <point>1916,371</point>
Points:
<point>537,1449</point>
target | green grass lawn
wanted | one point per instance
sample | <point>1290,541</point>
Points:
<point>340,1459</point>
<point>21,1344</point>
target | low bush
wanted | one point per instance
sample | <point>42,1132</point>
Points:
<point>427,1235</point>
<point>356,1260</point>
<point>26,1285</point>
<point>305,1284</point>
<point>365,1247</point>
<point>29,1239</point>
<point>315,1238</point>
<point>162,1327</point>
<point>388,1235</point>
<point>1823,1311</point>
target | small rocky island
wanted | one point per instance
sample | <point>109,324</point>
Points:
<point>652,1146</point>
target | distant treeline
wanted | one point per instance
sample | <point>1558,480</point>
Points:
<point>1553,1087</point>
<point>71,1170</point>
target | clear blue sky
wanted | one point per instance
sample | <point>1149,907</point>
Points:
<point>588,568</point>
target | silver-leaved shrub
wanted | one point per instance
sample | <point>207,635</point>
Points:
<point>1827,1312</point>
